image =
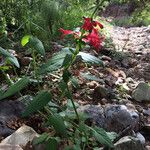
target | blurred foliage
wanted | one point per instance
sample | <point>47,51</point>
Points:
<point>142,17</point>
<point>42,18</point>
<point>139,14</point>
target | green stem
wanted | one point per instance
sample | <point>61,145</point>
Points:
<point>78,48</point>
<point>34,62</point>
<point>15,71</point>
<point>97,8</point>
<point>74,107</point>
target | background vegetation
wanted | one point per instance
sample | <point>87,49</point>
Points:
<point>43,18</point>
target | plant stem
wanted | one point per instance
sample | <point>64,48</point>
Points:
<point>74,107</point>
<point>96,9</point>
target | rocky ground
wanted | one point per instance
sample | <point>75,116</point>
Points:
<point>118,101</point>
<point>121,98</point>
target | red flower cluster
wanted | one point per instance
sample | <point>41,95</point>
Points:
<point>92,37</point>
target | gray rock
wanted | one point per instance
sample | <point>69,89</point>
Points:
<point>111,117</point>
<point>119,117</point>
<point>140,137</point>
<point>129,143</point>
<point>146,112</point>
<point>95,113</point>
<point>10,147</point>
<point>142,92</point>
<point>101,92</point>
<point>9,110</point>
<point>21,137</point>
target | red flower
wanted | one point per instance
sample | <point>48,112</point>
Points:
<point>94,39</point>
<point>89,24</point>
<point>65,32</point>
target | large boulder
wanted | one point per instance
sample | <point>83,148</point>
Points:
<point>111,117</point>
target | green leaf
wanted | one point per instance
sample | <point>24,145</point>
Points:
<point>37,45</point>
<point>41,139</point>
<point>66,75</point>
<point>90,59</point>
<point>25,40</point>
<point>89,77</point>
<point>102,137</point>
<point>55,62</point>
<point>5,53</point>
<point>10,57</point>
<point>51,104</point>
<point>51,144</point>
<point>18,86</point>
<point>63,86</point>
<point>5,68</point>
<point>84,128</point>
<point>14,60</point>
<point>74,82</point>
<point>57,122</point>
<point>70,106</point>
<point>1,93</point>
<point>52,67</point>
<point>76,147</point>
<point>112,135</point>
<point>37,103</point>
<point>67,60</point>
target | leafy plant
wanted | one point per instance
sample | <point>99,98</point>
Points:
<point>36,47</point>
<point>67,122</point>
<point>38,103</point>
<point>13,89</point>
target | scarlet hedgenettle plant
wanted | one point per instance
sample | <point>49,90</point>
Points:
<point>88,33</point>
<point>69,124</point>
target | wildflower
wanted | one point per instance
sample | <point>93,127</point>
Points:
<point>65,32</point>
<point>89,24</point>
<point>68,32</point>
